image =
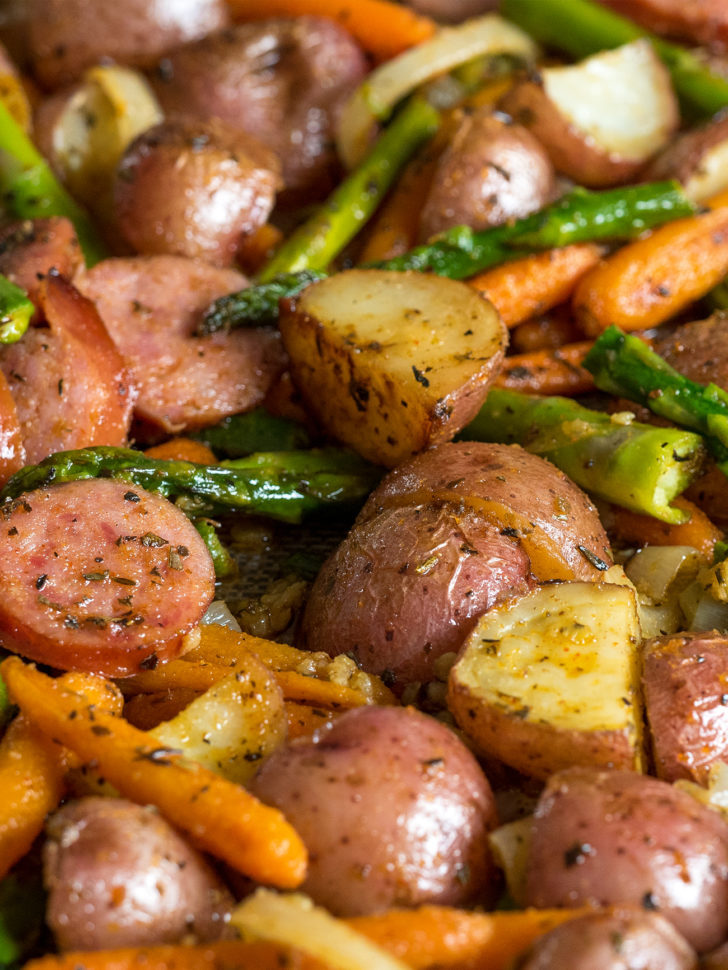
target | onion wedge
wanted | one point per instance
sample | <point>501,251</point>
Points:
<point>376,98</point>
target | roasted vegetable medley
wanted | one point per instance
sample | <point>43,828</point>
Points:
<point>363,456</point>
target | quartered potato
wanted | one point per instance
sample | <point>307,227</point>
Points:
<point>233,726</point>
<point>552,680</point>
<point>392,363</point>
<point>602,119</point>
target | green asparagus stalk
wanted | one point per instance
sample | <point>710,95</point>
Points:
<point>29,189</point>
<point>16,309</point>
<point>222,560</point>
<point>638,466</point>
<point>283,485</point>
<point>580,216</point>
<point>583,27</point>
<point>623,364</point>
<point>257,305</point>
<point>257,430</point>
<point>314,244</point>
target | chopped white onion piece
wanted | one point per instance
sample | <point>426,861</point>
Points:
<point>219,612</point>
<point>293,919</point>
<point>655,570</point>
<point>510,845</point>
<point>375,99</point>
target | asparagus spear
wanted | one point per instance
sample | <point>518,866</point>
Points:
<point>29,189</point>
<point>256,306</point>
<point>582,27</point>
<point>257,430</point>
<point>314,244</point>
<point>225,565</point>
<point>283,485</point>
<point>623,364</point>
<point>638,466</point>
<point>579,216</point>
<point>16,309</point>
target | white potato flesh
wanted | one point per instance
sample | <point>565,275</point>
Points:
<point>621,99</point>
<point>233,726</point>
<point>392,363</point>
<point>710,176</point>
<point>552,679</point>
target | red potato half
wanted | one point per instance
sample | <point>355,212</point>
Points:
<point>392,807</point>
<point>443,538</point>
<point>118,874</point>
<point>685,680</point>
<point>620,939</point>
<point>698,159</point>
<point>101,576</point>
<point>551,680</point>
<point>194,188</point>
<point>490,172</point>
<point>392,363</point>
<point>605,838</point>
<point>600,120</point>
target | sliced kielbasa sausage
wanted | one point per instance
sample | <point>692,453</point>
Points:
<point>29,250</point>
<point>151,306</point>
<point>69,382</point>
<point>99,575</point>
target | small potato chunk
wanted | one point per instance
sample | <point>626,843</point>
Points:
<point>602,119</point>
<point>392,363</point>
<point>491,172</point>
<point>602,838</point>
<point>393,808</point>
<point>118,874</point>
<point>626,938</point>
<point>698,159</point>
<point>686,698</point>
<point>551,680</point>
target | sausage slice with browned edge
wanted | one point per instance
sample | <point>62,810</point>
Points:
<point>99,575</point>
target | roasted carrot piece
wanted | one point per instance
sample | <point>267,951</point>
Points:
<point>183,449</point>
<point>221,817</point>
<point>146,711</point>
<point>651,280</point>
<point>257,248</point>
<point>32,772</point>
<point>424,938</point>
<point>698,532</point>
<point>198,677</point>
<point>536,283</point>
<point>548,371</point>
<point>304,719</point>
<point>232,955</point>
<point>548,332</point>
<point>394,230</point>
<point>382,28</point>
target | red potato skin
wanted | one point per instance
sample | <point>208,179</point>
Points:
<point>683,156</point>
<point>98,575</point>
<point>622,939</point>
<point>616,837</point>
<point>29,250</point>
<point>684,682</point>
<point>703,22</point>
<point>67,36</point>
<point>393,808</point>
<point>572,152</point>
<point>193,189</point>
<point>75,356</point>
<point>151,306</point>
<point>475,473</point>
<point>282,80</point>
<point>699,349</point>
<point>408,586</point>
<point>436,545</point>
<point>118,875</point>
<point>491,171</point>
